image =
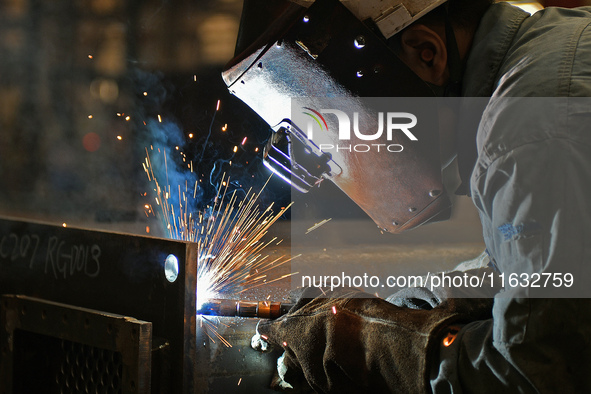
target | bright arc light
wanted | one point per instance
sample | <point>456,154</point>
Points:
<point>205,281</point>
<point>204,291</point>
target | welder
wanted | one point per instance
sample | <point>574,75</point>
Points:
<point>526,167</point>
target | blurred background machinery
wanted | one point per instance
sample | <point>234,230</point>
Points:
<point>79,84</point>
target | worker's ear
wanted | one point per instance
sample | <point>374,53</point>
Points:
<point>424,51</point>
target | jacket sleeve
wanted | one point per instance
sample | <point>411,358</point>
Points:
<point>535,207</point>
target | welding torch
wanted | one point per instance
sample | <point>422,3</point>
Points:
<point>259,309</point>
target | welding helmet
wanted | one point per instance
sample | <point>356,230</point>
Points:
<point>340,50</point>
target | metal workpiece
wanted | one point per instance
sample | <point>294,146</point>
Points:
<point>114,273</point>
<point>224,347</point>
<point>239,308</point>
<point>231,365</point>
<point>52,347</point>
<point>119,311</point>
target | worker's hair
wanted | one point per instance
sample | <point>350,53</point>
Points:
<point>464,14</point>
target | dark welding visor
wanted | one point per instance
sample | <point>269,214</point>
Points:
<point>324,51</point>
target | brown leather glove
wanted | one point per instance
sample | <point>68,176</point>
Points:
<point>352,342</point>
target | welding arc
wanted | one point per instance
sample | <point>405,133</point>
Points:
<point>259,309</point>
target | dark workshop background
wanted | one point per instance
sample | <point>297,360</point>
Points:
<point>81,81</point>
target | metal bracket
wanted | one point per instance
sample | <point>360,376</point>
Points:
<point>53,347</point>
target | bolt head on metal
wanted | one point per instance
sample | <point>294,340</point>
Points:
<point>412,209</point>
<point>306,19</point>
<point>359,73</point>
<point>171,268</point>
<point>359,42</point>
